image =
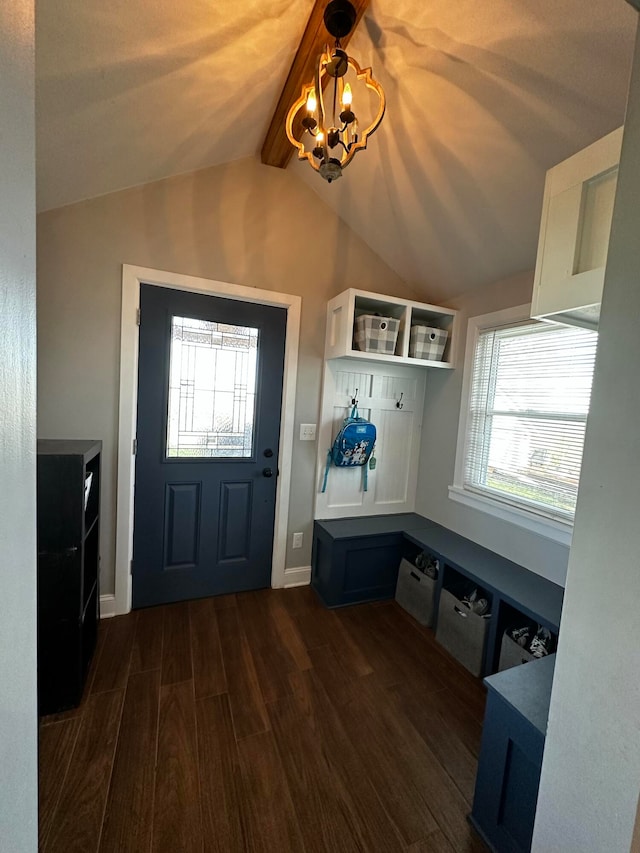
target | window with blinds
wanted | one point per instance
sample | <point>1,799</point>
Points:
<point>529,402</point>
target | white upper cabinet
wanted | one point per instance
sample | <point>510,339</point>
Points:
<point>344,310</point>
<point>574,234</point>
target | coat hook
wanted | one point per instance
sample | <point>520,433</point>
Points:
<point>399,403</point>
<point>354,399</point>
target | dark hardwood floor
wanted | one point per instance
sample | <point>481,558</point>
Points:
<point>264,722</point>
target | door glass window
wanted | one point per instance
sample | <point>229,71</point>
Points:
<point>212,389</point>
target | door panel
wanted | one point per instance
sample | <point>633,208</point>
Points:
<point>235,520</point>
<point>209,398</point>
<point>181,524</point>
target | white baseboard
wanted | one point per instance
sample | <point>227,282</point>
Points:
<point>300,576</point>
<point>107,606</point>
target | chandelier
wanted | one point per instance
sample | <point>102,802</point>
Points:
<point>330,138</point>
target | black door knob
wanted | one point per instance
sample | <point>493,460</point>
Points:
<point>267,472</point>
<point>268,453</point>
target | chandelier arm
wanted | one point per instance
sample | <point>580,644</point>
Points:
<point>321,116</point>
<point>365,75</point>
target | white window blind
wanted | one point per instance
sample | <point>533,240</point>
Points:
<point>529,402</point>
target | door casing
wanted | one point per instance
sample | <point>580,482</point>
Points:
<point>132,278</point>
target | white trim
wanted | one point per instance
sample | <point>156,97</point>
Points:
<point>132,278</point>
<point>300,576</point>
<point>556,530</point>
<point>549,528</point>
<point>107,606</point>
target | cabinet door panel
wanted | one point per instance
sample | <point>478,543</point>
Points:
<point>574,234</point>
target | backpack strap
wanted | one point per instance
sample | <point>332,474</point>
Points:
<point>366,468</point>
<point>326,472</point>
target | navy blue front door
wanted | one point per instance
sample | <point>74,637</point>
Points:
<point>209,398</point>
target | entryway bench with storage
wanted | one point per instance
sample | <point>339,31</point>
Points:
<point>356,560</point>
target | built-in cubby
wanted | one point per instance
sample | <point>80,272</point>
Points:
<point>509,652</point>
<point>357,559</point>
<point>343,310</point>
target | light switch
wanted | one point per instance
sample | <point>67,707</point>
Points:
<point>297,540</point>
<point>307,432</point>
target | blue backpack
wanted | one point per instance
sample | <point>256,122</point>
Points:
<point>352,446</point>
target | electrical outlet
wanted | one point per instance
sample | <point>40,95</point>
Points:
<point>307,432</point>
<point>297,540</point>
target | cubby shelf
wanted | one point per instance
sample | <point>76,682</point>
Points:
<point>343,309</point>
<point>68,568</point>
<point>356,560</point>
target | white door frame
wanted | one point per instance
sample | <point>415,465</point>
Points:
<point>132,278</point>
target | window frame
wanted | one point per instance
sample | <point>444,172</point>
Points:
<point>536,521</point>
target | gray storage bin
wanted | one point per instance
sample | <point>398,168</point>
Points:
<point>415,593</point>
<point>375,334</point>
<point>427,342</point>
<point>462,632</point>
<point>511,654</point>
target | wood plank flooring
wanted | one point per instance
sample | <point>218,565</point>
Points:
<point>264,722</point>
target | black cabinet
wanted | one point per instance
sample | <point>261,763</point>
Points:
<point>68,568</point>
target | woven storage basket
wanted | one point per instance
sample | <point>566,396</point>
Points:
<point>461,632</point>
<point>512,654</point>
<point>427,342</point>
<point>415,593</point>
<point>376,334</point>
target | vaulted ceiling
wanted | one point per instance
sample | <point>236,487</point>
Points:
<point>482,97</point>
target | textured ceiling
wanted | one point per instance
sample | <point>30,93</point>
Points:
<point>482,97</point>
<point>131,91</point>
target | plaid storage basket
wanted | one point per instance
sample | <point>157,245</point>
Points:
<point>375,334</point>
<point>427,342</point>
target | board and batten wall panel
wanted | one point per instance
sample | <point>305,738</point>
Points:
<point>392,485</point>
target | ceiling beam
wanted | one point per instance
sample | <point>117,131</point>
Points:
<point>276,149</point>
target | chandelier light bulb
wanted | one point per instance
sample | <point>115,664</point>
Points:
<point>347,96</point>
<point>311,102</point>
<point>319,137</point>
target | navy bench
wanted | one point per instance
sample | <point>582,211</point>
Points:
<point>513,737</point>
<point>355,560</point>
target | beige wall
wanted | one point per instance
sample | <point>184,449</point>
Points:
<point>438,450</point>
<point>243,223</point>
<point>591,767</point>
<point>18,706</point>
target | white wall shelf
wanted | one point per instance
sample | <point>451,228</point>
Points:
<point>343,309</point>
<point>574,234</point>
